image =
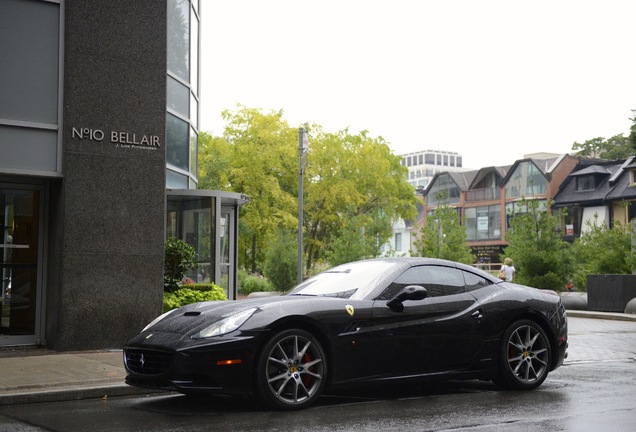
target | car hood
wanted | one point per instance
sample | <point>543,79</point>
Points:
<point>191,319</point>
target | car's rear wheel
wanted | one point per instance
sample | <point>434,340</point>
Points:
<point>525,356</point>
<point>292,370</point>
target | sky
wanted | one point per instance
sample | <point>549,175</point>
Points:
<point>493,80</point>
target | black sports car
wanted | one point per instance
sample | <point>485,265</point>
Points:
<point>396,319</point>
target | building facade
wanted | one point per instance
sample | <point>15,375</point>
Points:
<point>486,199</point>
<point>98,137</point>
<point>424,164</point>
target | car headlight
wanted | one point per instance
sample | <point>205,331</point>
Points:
<point>226,325</point>
<point>159,318</point>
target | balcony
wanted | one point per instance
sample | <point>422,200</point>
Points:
<point>488,194</point>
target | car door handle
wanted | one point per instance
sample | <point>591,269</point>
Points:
<point>477,314</point>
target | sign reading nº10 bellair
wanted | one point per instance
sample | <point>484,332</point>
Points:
<point>120,139</point>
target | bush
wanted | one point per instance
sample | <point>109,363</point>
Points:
<point>192,293</point>
<point>252,283</point>
<point>179,257</point>
<point>281,265</point>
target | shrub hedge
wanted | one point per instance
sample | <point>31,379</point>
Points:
<point>192,293</point>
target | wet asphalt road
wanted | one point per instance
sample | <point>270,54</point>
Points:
<point>594,390</point>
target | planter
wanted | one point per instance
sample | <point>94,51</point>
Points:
<point>610,293</point>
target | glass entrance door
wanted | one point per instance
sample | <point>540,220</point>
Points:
<point>19,257</point>
<point>226,261</point>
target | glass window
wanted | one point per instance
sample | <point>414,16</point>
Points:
<point>526,180</point>
<point>421,159</point>
<point>179,38</point>
<point>175,180</point>
<point>438,281</point>
<point>429,159</point>
<point>585,183</point>
<point>194,111</point>
<point>194,53</point>
<point>443,190</point>
<point>474,282</point>
<point>483,223</point>
<point>439,160</point>
<point>29,40</point>
<point>459,161</point>
<point>398,241</point>
<point>177,146</point>
<point>178,97</point>
<point>445,160</point>
<point>194,138</point>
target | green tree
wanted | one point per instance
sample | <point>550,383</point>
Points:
<point>541,257</point>
<point>444,236</point>
<point>256,156</point>
<point>357,238</point>
<point>281,263</point>
<point>616,147</point>
<point>632,132</point>
<point>352,182</point>
<point>617,255</point>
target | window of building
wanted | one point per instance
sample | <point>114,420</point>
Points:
<point>483,223</point>
<point>429,159</point>
<point>452,161</point>
<point>178,142</point>
<point>445,160</point>
<point>421,159</point>
<point>179,39</point>
<point>526,180</point>
<point>438,160</point>
<point>516,208</point>
<point>459,161</point>
<point>398,242</point>
<point>585,183</point>
<point>444,190</point>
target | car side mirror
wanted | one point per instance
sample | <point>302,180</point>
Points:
<point>411,292</point>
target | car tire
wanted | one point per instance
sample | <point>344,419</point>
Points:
<point>524,356</point>
<point>291,370</point>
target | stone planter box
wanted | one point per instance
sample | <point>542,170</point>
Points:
<point>610,293</point>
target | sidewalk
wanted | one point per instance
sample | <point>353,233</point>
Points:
<point>37,375</point>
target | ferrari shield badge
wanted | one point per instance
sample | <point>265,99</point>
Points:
<point>350,309</point>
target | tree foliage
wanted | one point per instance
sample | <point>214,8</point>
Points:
<point>617,256</point>
<point>281,263</point>
<point>616,147</point>
<point>257,157</point>
<point>542,258</point>
<point>353,186</point>
<point>353,182</point>
<point>444,236</point>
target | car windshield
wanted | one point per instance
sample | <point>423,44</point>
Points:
<point>354,280</point>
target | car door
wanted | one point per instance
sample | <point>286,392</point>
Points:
<point>439,333</point>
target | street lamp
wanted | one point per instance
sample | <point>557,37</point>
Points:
<point>303,144</point>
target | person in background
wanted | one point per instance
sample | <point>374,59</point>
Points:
<point>508,269</point>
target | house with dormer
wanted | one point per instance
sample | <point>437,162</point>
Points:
<point>601,192</point>
<point>487,198</point>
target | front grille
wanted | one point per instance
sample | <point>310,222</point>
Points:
<point>147,362</point>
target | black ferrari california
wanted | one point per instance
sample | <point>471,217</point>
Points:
<point>366,322</point>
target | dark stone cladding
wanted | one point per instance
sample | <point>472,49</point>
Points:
<point>105,280</point>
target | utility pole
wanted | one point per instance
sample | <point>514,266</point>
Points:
<point>303,144</point>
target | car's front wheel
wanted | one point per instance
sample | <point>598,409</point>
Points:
<point>291,370</point>
<point>525,356</point>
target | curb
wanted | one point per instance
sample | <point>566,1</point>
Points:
<point>66,394</point>
<point>601,315</point>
